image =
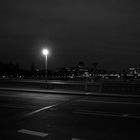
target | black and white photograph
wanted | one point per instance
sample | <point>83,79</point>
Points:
<point>69,70</point>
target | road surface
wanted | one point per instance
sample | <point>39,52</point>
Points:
<point>37,116</point>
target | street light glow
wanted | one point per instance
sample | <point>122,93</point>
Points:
<point>45,52</point>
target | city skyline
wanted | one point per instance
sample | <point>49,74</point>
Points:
<point>100,31</point>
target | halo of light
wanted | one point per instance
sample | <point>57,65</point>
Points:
<point>45,52</point>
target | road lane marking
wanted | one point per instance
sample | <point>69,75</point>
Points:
<point>76,139</point>
<point>38,110</point>
<point>101,113</point>
<point>30,132</point>
<point>110,102</point>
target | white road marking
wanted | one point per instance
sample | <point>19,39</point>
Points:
<point>110,102</point>
<point>100,113</point>
<point>35,133</point>
<point>38,110</point>
<point>76,139</point>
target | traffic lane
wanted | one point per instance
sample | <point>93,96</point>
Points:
<point>107,107</point>
<point>18,104</point>
<point>62,123</point>
<point>88,127</point>
<point>34,101</point>
<point>29,102</point>
<point>25,95</point>
<point>112,98</point>
<point>18,97</point>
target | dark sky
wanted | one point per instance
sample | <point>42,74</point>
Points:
<point>103,31</point>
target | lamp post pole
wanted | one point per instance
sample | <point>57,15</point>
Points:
<point>45,52</point>
<point>46,68</point>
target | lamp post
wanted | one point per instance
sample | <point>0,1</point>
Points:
<point>45,52</point>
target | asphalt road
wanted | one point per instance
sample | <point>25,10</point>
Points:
<point>36,116</point>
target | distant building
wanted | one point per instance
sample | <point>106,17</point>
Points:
<point>134,70</point>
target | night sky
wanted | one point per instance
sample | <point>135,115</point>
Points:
<point>103,31</point>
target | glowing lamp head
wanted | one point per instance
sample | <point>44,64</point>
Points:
<point>45,52</point>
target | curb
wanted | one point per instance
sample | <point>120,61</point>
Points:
<point>70,92</point>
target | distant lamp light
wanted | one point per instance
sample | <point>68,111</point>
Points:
<point>45,52</point>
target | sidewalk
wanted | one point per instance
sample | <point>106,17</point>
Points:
<point>68,92</point>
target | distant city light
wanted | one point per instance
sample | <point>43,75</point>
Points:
<point>37,69</point>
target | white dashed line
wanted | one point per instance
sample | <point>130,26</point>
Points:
<point>36,111</point>
<point>35,133</point>
<point>76,139</point>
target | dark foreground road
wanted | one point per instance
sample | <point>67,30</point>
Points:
<point>36,116</point>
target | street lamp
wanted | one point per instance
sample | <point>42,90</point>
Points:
<point>45,52</point>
